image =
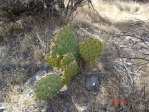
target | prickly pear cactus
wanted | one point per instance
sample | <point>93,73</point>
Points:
<point>90,49</point>
<point>65,42</point>
<point>52,60</point>
<point>69,72</point>
<point>64,54</point>
<point>48,86</point>
<point>67,58</point>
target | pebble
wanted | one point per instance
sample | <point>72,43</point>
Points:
<point>92,83</point>
<point>84,108</point>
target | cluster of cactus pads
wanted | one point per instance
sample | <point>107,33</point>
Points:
<point>64,54</point>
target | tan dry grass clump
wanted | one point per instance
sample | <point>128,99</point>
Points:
<point>118,11</point>
<point>20,101</point>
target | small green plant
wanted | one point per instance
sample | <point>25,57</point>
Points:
<point>65,54</point>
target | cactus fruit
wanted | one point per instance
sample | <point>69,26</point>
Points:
<point>69,72</point>
<point>67,58</point>
<point>48,86</point>
<point>90,49</point>
<point>52,60</point>
<point>65,42</point>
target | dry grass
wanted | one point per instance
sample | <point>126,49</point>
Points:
<point>119,11</point>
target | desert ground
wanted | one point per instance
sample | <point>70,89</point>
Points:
<point>122,71</point>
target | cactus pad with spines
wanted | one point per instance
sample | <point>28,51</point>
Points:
<point>48,86</point>
<point>67,58</point>
<point>90,49</point>
<point>52,60</point>
<point>69,72</point>
<point>65,42</point>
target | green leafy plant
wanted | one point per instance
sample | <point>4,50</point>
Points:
<point>65,54</point>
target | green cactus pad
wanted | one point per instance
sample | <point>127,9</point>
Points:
<point>67,58</point>
<point>69,72</point>
<point>48,86</point>
<point>65,42</point>
<point>90,49</point>
<point>52,60</point>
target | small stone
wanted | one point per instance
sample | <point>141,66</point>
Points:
<point>27,110</point>
<point>128,37</point>
<point>3,107</point>
<point>84,108</point>
<point>2,110</point>
<point>44,67</point>
<point>31,82</point>
<point>92,83</point>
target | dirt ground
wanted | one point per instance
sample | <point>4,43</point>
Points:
<point>123,68</point>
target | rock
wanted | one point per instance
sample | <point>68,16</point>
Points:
<point>3,110</point>
<point>27,110</point>
<point>92,83</point>
<point>83,108</point>
<point>44,67</point>
<point>31,82</point>
<point>3,107</point>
